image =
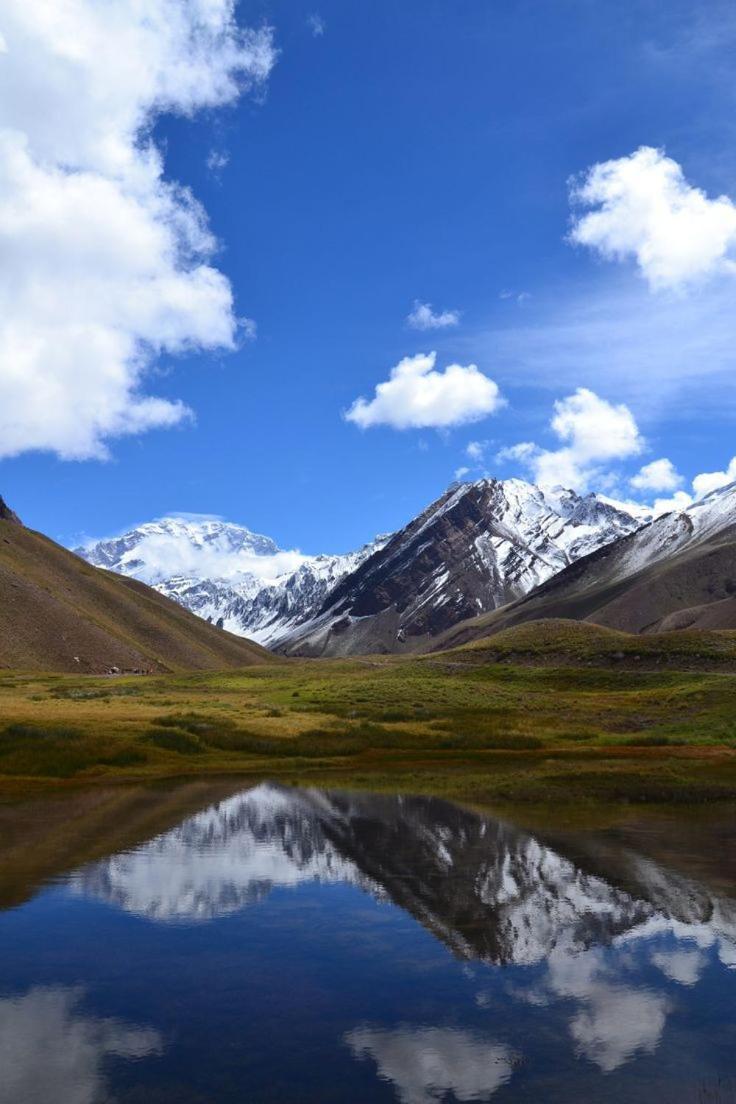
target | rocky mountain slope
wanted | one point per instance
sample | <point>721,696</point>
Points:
<point>677,572</point>
<point>477,547</point>
<point>58,613</point>
<point>236,579</point>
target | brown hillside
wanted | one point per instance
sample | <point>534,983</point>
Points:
<point>57,613</point>
<point>690,587</point>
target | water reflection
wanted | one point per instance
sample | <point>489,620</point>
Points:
<point>487,889</point>
<point>568,952</point>
<point>611,1021</point>
<point>50,1050</point>
<point>426,1063</point>
<point>223,859</point>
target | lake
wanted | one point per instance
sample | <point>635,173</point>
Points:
<point>209,943</point>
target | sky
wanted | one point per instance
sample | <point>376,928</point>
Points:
<point>301,265</point>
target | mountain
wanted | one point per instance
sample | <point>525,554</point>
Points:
<point>226,574</point>
<point>478,547</point>
<point>677,572</point>
<point>58,613</point>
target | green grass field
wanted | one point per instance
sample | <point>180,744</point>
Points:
<point>562,713</point>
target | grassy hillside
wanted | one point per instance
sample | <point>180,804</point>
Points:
<point>557,641</point>
<point>59,613</point>
<point>569,714</point>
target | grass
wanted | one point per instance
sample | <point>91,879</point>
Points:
<point>554,715</point>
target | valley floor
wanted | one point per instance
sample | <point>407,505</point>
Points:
<point>555,712</point>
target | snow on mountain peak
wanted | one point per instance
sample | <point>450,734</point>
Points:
<point>226,573</point>
<point>492,540</point>
<point>193,547</point>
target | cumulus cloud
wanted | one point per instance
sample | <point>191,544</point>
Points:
<point>594,433</point>
<point>643,207</point>
<point>417,396</point>
<point>706,482</point>
<point>106,263</point>
<point>427,1063</point>
<point>665,478</point>
<point>680,500</point>
<point>659,475</point>
<point>422,317</point>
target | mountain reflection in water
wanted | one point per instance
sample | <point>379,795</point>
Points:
<point>573,957</point>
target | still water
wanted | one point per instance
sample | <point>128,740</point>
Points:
<point>282,944</point>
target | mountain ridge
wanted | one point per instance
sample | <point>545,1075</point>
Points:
<point>477,546</point>
<point>678,571</point>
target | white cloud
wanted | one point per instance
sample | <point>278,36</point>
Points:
<point>417,396</point>
<point>646,209</point>
<point>248,328</point>
<point>594,431</point>
<point>422,317</point>
<point>475,450</point>
<point>659,475</point>
<point>316,24</point>
<point>75,1047</point>
<point>706,482</point>
<point>702,485</point>
<point>217,161</point>
<point>428,1063</point>
<point>680,500</point>
<point>460,473</point>
<point>198,547</point>
<point>106,264</point>
<point>524,451</point>
<point>518,296</point>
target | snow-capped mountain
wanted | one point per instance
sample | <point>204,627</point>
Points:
<point>676,572</point>
<point>476,548</point>
<point>237,579</point>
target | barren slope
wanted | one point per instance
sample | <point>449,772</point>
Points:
<point>58,613</point>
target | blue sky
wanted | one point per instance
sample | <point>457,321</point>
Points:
<point>422,153</point>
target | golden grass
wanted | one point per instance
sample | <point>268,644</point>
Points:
<point>493,721</point>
